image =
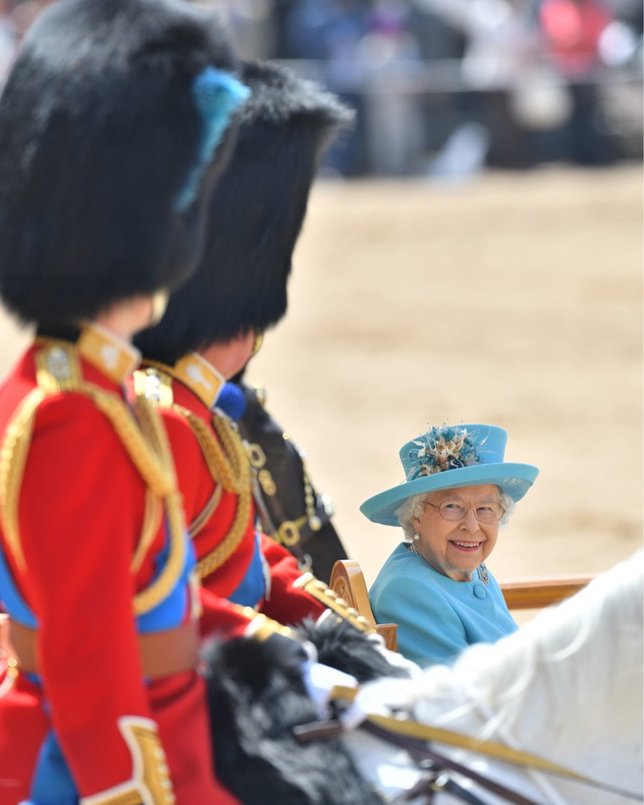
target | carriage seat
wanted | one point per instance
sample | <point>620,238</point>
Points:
<point>347,580</point>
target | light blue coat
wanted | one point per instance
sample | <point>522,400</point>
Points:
<point>437,617</point>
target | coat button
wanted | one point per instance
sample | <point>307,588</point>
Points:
<point>480,591</point>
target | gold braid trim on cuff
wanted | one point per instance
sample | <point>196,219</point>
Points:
<point>131,796</point>
<point>262,627</point>
<point>321,592</point>
<point>150,783</point>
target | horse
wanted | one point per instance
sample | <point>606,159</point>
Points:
<point>566,687</point>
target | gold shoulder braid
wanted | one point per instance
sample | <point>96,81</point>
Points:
<point>145,442</point>
<point>225,457</point>
<point>261,627</point>
<point>152,428</point>
<point>155,385</point>
<point>233,447</point>
<point>227,461</point>
<point>150,781</point>
<point>13,457</point>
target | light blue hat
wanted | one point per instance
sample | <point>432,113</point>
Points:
<point>451,456</point>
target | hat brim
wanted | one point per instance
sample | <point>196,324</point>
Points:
<point>513,479</point>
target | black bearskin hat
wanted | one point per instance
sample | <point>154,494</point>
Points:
<point>256,214</point>
<point>111,127</point>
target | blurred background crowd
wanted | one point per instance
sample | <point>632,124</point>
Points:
<point>444,88</point>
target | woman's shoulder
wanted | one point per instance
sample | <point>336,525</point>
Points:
<point>399,560</point>
<point>405,570</point>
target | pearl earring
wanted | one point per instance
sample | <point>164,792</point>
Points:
<point>416,537</point>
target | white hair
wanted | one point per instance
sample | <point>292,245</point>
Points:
<point>415,505</point>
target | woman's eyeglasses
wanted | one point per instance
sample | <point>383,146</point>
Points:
<point>485,513</point>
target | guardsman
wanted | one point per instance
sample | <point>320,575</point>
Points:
<point>213,323</point>
<point>114,125</point>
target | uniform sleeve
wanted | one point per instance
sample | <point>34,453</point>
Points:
<point>286,603</point>
<point>198,489</point>
<point>80,515</point>
<point>221,618</point>
<point>429,630</point>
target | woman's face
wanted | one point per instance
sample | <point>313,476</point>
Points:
<point>457,548</point>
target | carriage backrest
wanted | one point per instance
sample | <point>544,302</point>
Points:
<point>348,582</point>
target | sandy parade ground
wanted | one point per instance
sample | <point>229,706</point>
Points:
<point>516,300</point>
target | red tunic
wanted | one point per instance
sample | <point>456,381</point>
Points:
<point>234,515</point>
<point>79,565</point>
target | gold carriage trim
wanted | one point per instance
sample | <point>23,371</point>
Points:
<point>144,439</point>
<point>321,592</point>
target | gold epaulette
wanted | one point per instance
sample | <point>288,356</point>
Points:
<point>233,465</point>
<point>322,592</point>
<point>141,434</point>
<point>155,385</point>
<point>262,627</point>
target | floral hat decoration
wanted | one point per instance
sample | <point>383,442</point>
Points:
<point>450,456</point>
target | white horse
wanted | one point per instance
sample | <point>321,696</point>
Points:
<point>566,687</point>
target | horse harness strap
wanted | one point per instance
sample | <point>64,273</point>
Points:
<point>164,653</point>
<point>436,778</point>
<point>443,763</point>
<point>395,728</point>
<point>506,754</point>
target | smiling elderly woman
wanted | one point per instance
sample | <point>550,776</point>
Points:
<point>435,586</point>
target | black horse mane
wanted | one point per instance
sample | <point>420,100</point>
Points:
<point>342,646</point>
<point>256,696</point>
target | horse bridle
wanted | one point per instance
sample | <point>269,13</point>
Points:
<point>440,768</point>
<point>437,768</point>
